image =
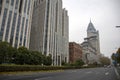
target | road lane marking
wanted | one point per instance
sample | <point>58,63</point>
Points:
<point>107,73</point>
<point>74,71</point>
<point>116,72</point>
<point>89,72</point>
<point>97,72</point>
<point>118,76</point>
<point>43,78</point>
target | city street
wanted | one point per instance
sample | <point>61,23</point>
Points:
<point>79,74</point>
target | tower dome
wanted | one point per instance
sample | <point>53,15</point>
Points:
<point>91,27</point>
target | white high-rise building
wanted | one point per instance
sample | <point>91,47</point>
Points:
<point>93,36</point>
<point>65,34</point>
<point>49,32</point>
<point>91,46</point>
<point>15,21</point>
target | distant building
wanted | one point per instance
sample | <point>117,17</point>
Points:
<point>93,37</point>
<point>49,31</point>
<point>91,47</point>
<point>75,52</point>
<point>65,34</point>
<point>89,53</point>
<point>15,21</point>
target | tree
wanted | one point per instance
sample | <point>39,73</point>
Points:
<point>113,56</point>
<point>63,63</point>
<point>118,55</point>
<point>12,52</point>
<point>105,61</point>
<point>22,57</point>
<point>36,58</point>
<point>3,52</point>
<point>47,60</point>
<point>79,62</point>
<point>6,52</point>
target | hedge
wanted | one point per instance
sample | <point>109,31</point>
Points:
<point>14,68</point>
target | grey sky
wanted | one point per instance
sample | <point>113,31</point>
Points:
<point>104,14</point>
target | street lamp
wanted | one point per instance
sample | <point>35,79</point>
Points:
<point>117,26</point>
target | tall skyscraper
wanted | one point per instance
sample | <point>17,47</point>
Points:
<point>15,21</point>
<point>65,34</point>
<point>49,32</point>
<point>91,46</point>
<point>93,36</point>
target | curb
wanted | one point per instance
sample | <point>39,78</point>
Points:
<point>27,72</point>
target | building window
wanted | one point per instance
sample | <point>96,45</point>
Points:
<point>8,25</point>
<point>0,36</point>
<point>56,17</point>
<point>17,31</point>
<point>46,28</point>
<point>20,7</point>
<point>1,1</point>
<point>3,21</point>
<point>12,2</point>
<point>0,6</point>
<point>22,29</point>
<point>25,31</point>
<point>16,5</point>
<point>7,1</point>
<point>25,6</point>
<point>13,28</point>
<point>29,7</point>
<point>35,4</point>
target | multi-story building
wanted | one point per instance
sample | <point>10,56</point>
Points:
<point>89,53</point>
<point>93,37</point>
<point>49,32</point>
<point>75,52</point>
<point>91,47</point>
<point>15,21</point>
<point>65,34</point>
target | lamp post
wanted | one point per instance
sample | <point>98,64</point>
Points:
<point>117,26</point>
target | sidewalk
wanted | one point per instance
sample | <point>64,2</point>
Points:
<point>117,70</point>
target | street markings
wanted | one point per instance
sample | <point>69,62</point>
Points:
<point>97,73</point>
<point>89,72</point>
<point>118,76</point>
<point>107,73</point>
<point>43,78</point>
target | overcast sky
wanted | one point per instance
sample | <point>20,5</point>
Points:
<point>104,14</point>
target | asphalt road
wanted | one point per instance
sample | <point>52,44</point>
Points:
<point>79,74</point>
